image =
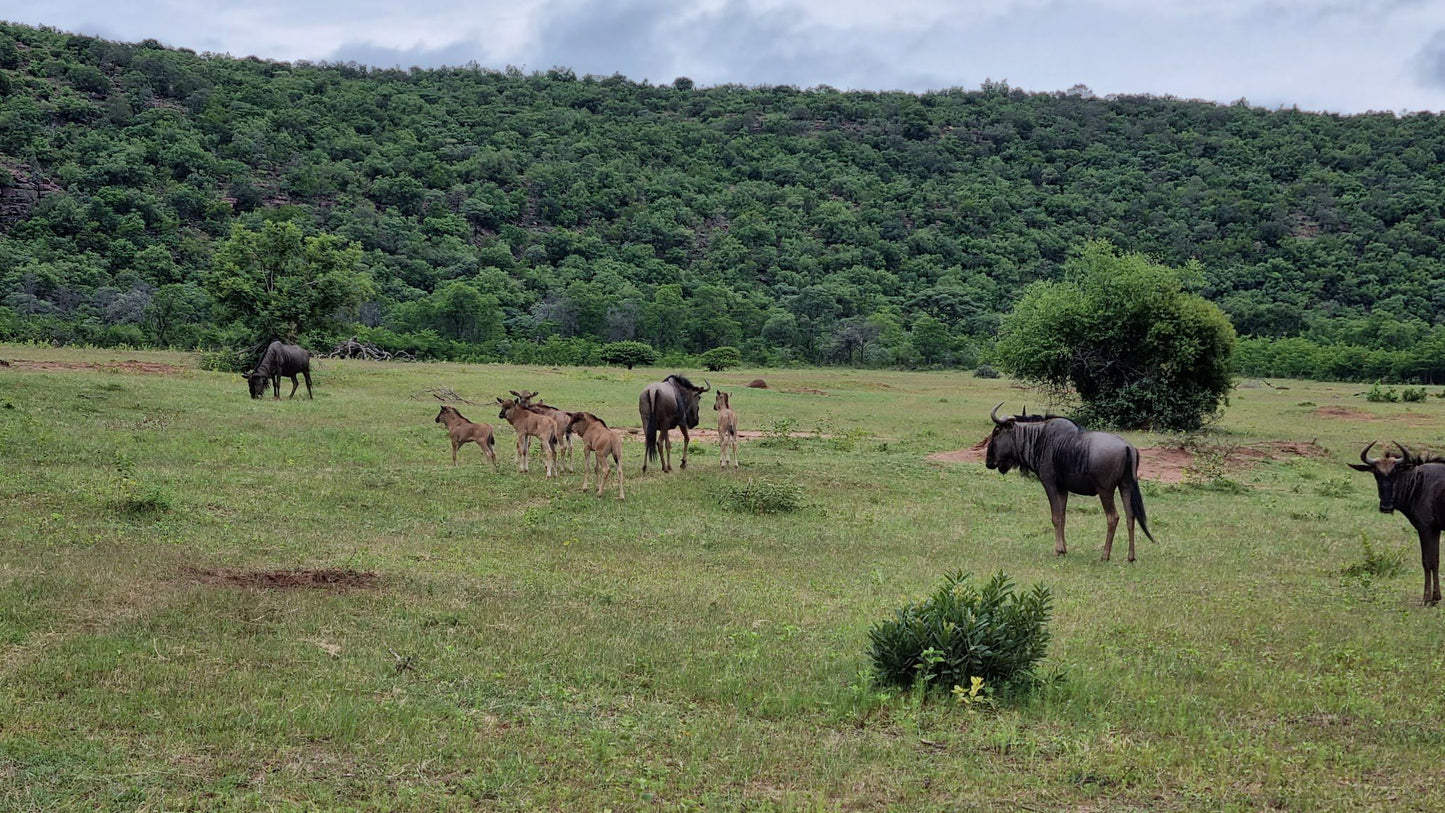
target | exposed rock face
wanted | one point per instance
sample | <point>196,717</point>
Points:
<point>18,195</point>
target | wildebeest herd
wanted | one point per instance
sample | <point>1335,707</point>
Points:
<point>1065,458</point>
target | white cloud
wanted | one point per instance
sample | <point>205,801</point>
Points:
<point>1345,55</point>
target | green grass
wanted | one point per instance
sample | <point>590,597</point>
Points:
<point>530,646</point>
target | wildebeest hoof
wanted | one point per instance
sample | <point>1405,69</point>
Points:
<point>1058,552</point>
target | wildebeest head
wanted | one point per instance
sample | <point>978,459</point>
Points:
<point>507,406</point>
<point>1386,469</point>
<point>256,381</point>
<point>691,395</point>
<point>446,411</point>
<point>1001,444</point>
<point>525,396</point>
<point>720,402</point>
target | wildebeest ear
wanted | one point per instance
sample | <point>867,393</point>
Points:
<point>1360,467</point>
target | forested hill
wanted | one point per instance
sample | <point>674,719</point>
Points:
<point>500,210</point>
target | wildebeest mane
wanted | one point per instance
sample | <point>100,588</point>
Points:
<point>1039,438</point>
<point>679,378</point>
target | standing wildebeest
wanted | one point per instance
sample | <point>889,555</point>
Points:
<point>663,405</point>
<point>602,443</point>
<point>1068,460</point>
<point>1416,485</point>
<point>561,417</point>
<point>463,431</point>
<point>280,360</point>
<point>727,429</point>
<point>528,425</point>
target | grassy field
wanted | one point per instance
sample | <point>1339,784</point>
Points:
<point>524,645</point>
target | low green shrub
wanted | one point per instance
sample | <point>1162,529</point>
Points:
<point>1413,395</point>
<point>1373,563</point>
<point>762,496</point>
<point>1381,394</point>
<point>963,632</point>
<point>986,371</point>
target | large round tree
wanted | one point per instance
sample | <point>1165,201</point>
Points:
<point>1123,336</point>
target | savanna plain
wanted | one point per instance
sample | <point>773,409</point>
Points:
<point>213,602</point>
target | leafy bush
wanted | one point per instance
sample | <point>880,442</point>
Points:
<point>962,632</point>
<point>629,354</point>
<point>1379,394</point>
<point>1126,337</point>
<point>779,434</point>
<point>226,361</point>
<point>986,371</point>
<point>1413,395</point>
<point>762,496</point>
<point>1374,564</point>
<point>722,358</point>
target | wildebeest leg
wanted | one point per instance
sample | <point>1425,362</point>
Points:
<point>667,451</point>
<point>585,471</point>
<point>621,487</point>
<point>1430,562</point>
<point>521,452</point>
<point>1058,503</point>
<point>307,375</point>
<point>296,383</point>
<point>276,387</point>
<point>455,446</point>
<point>1128,518</point>
<point>685,441</point>
<point>604,468</point>
<point>1111,516</point>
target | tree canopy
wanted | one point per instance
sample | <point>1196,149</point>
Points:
<point>806,225</point>
<point>1123,336</point>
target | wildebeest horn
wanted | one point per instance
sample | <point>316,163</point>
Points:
<point>994,415</point>
<point>705,386</point>
<point>1365,455</point>
<point>1403,449</point>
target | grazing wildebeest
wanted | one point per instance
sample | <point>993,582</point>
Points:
<point>663,405</point>
<point>602,443</point>
<point>529,424</point>
<point>463,431</point>
<point>1416,486</point>
<point>1067,459</point>
<point>280,360</point>
<point>727,429</point>
<point>563,419</point>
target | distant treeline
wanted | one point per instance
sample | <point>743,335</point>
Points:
<point>513,216</point>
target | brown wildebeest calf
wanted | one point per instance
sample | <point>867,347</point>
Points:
<point>529,424</point>
<point>463,431</point>
<point>727,429</point>
<point>602,443</point>
<point>563,419</point>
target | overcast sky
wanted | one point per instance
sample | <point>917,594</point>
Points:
<point>1340,55</point>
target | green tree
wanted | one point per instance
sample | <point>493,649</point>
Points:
<point>1124,336</point>
<point>722,358</point>
<point>629,353</point>
<point>280,284</point>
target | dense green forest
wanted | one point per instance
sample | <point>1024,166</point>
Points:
<point>534,217</point>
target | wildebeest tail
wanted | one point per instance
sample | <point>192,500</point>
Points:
<point>649,428</point>
<point>1136,499</point>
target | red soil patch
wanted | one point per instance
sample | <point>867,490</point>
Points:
<point>1345,413</point>
<point>326,579</point>
<point>1169,464</point>
<point>129,366</point>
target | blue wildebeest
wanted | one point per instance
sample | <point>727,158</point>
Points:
<point>280,360</point>
<point>663,405</point>
<point>1069,460</point>
<point>1416,486</point>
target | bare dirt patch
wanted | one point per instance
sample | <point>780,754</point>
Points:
<point>805,391</point>
<point>1171,464</point>
<point>290,579</point>
<point>130,367</point>
<point>1346,413</point>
